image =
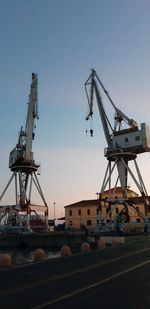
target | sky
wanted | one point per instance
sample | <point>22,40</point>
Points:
<point>61,41</point>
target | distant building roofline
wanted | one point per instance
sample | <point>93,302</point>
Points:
<point>116,191</point>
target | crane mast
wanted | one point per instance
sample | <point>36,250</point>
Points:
<point>125,140</point>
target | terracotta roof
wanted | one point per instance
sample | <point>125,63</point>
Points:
<point>96,201</point>
<point>84,202</point>
<point>119,190</point>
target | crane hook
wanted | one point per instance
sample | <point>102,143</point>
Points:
<point>91,132</point>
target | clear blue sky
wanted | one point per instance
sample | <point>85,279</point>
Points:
<point>61,40</point>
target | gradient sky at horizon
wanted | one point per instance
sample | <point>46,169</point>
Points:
<point>61,40</point>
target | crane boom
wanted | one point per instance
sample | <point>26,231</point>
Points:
<point>104,119</point>
<point>31,116</point>
<point>130,138</point>
<point>93,81</point>
<point>22,153</point>
<point>94,88</point>
<point>119,113</point>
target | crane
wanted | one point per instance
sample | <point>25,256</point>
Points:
<point>125,140</point>
<point>23,166</point>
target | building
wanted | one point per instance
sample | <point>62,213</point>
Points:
<point>84,214</point>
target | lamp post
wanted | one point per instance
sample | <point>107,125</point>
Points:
<point>54,215</point>
<point>97,194</point>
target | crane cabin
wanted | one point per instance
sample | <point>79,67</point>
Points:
<point>133,140</point>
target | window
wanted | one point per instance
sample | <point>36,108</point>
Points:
<point>89,222</point>
<point>79,212</point>
<point>126,139</point>
<point>117,210</point>
<point>97,211</point>
<point>88,212</point>
<point>70,213</point>
<point>137,209</point>
<point>137,138</point>
<point>138,220</point>
<point>70,223</point>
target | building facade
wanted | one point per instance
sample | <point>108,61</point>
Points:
<point>84,214</point>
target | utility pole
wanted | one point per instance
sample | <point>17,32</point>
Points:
<point>54,215</point>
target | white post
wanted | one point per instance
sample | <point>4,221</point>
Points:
<point>54,215</point>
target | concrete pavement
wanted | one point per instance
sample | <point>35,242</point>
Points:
<point>84,280</point>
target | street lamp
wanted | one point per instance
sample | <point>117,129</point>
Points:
<point>97,194</point>
<point>54,214</point>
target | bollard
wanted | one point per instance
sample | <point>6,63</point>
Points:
<point>85,247</point>
<point>65,251</point>
<point>101,244</point>
<point>39,255</point>
<point>5,260</point>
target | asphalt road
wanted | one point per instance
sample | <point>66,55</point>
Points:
<point>107,278</point>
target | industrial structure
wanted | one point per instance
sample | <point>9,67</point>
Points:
<point>24,173</point>
<point>125,140</point>
<point>83,215</point>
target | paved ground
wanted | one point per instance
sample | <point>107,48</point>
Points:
<point>108,278</point>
